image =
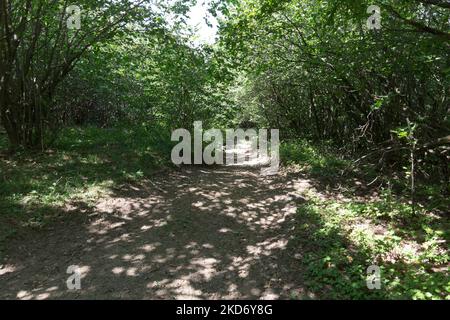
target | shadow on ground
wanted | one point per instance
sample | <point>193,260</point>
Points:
<point>196,233</point>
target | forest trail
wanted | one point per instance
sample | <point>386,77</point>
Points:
<point>194,233</point>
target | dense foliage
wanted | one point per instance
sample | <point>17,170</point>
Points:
<point>354,101</point>
<point>316,70</point>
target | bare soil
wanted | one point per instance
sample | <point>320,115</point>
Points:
<point>195,233</point>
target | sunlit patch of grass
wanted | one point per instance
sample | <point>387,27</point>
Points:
<point>317,160</point>
<point>83,165</point>
<point>340,240</point>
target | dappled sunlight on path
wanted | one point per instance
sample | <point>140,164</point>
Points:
<point>196,233</point>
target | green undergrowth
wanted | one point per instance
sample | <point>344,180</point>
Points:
<point>83,164</point>
<point>341,240</point>
<point>340,234</point>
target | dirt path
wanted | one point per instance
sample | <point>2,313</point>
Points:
<point>196,233</point>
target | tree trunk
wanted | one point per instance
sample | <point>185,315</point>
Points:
<point>24,127</point>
